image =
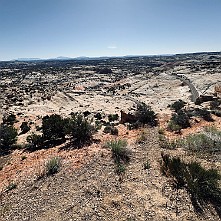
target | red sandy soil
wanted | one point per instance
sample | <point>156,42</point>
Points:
<point>18,170</point>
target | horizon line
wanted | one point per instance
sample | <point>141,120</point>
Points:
<point>112,56</point>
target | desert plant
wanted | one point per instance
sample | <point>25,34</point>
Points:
<point>177,105</point>
<point>172,126</point>
<point>34,141</point>
<point>80,129</point>
<point>146,165</point>
<point>8,136</point>
<point>53,127</point>
<point>181,119</point>
<point>11,186</point>
<point>53,166</point>
<point>120,168</point>
<point>98,125</point>
<point>98,116</point>
<point>10,119</point>
<point>110,129</point>
<point>120,153</point>
<point>161,131</point>
<point>113,117</point>
<point>202,184</point>
<point>215,104</point>
<point>24,127</point>
<point>145,115</point>
<point>23,158</point>
<point>205,114</point>
<point>201,143</point>
<point>173,167</point>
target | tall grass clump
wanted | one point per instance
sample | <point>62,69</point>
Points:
<point>119,151</point>
<point>200,183</point>
<point>120,154</point>
<point>53,166</point>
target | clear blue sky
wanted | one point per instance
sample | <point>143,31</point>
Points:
<point>51,28</point>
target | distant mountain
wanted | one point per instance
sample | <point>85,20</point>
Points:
<point>27,59</point>
<point>82,58</point>
<point>60,58</point>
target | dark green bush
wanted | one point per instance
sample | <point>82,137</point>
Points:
<point>145,115</point>
<point>98,125</point>
<point>8,136</point>
<point>24,127</point>
<point>53,127</point>
<point>34,141</point>
<point>215,104</point>
<point>98,116</point>
<point>146,165</point>
<point>205,114</point>
<point>79,129</point>
<point>113,117</point>
<point>10,119</point>
<point>110,129</point>
<point>181,119</point>
<point>120,168</point>
<point>177,105</point>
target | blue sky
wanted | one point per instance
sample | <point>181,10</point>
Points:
<point>51,28</point>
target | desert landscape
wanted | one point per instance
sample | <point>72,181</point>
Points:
<point>160,106</point>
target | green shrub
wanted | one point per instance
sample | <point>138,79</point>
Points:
<point>181,119</point>
<point>173,167</point>
<point>177,105</point>
<point>110,129</point>
<point>213,131</point>
<point>34,141</point>
<point>145,115</point>
<point>215,104</point>
<point>161,131</point>
<point>205,114</point>
<point>10,119</point>
<point>24,127</point>
<point>146,165</point>
<point>53,166</point>
<point>98,116</point>
<point>53,127</point>
<point>216,113</point>
<point>172,126</point>
<point>120,153</point>
<point>11,186</point>
<point>120,168</point>
<point>201,143</point>
<point>133,126</point>
<point>8,136</point>
<point>113,117</point>
<point>80,129</point>
<point>202,184</point>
